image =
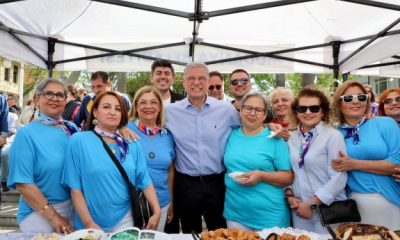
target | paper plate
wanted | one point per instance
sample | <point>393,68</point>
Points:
<point>237,176</point>
<point>86,234</point>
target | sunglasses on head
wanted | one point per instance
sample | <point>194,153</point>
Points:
<point>350,98</point>
<point>218,87</point>
<point>390,100</point>
<point>243,81</point>
<point>313,108</point>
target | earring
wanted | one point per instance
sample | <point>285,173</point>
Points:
<point>94,121</point>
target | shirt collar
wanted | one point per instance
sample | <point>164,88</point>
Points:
<point>209,101</point>
<point>317,129</point>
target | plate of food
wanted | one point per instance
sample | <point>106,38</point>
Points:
<point>230,233</point>
<point>46,236</point>
<point>86,234</point>
<point>287,234</point>
<point>238,176</point>
<point>357,231</point>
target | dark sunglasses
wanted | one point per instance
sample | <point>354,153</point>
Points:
<point>350,98</point>
<point>218,87</point>
<point>390,100</point>
<point>313,108</point>
<point>243,81</point>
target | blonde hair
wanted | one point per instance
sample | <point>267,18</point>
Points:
<point>339,92</point>
<point>283,90</point>
<point>133,114</point>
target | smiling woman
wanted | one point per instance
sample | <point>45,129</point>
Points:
<point>368,166</point>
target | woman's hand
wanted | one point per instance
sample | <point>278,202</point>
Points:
<point>284,133</point>
<point>60,224</point>
<point>251,178</point>
<point>396,175</point>
<point>294,202</point>
<point>343,163</point>
<point>304,211</point>
<point>128,134</point>
<point>92,225</point>
<point>153,222</point>
<point>170,214</point>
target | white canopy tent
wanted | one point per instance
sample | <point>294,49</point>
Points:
<point>281,36</point>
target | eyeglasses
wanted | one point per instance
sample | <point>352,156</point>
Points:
<point>249,109</point>
<point>211,87</point>
<point>390,100</point>
<point>243,81</point>
<point>49,95</point>
<point>313,108</point>
<point>350,98</point>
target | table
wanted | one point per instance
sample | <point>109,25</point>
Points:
<point>28,236</point>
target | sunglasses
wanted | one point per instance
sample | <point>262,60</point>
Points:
<point>350,98</point>
<point>218,87</point>
<point>313,108</point>
<point>243,81</point>
<point>390,100</point>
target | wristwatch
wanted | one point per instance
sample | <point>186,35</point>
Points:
<point>313,206</point>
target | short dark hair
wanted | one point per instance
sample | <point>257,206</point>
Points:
<point>100,74</point>
<point>124,112</point>
<point>162,63</point>
<point>12,96</point>
<point>216,74</point>
<point>238,71</point>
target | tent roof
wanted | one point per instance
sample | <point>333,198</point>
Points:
<point>256,35</point>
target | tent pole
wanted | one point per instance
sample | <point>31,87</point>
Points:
<point>335,55</point>
<point>50,53</point>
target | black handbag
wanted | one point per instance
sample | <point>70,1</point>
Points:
<point>141,211</point>
<point>338,212</point>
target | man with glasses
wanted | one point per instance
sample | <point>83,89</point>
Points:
<point>216,87</point>
<point>100,84</point>
<point>200,126</point>
<point>239,85</point>
<point>162,78</point>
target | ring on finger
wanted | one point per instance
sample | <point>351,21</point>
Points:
<point>64,228</point>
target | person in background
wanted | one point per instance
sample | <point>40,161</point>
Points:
<point>81,94</point>
<point>373,110</point>
<point>257,200</point>
<point>313,146</point>
<point>373,151</point>
<point>239,85</point>
<point>281,100</point>
<point>72,107</point>
<point>162,78</point>
<point>100,83</point>
<point>28,113</point>
<point>12,130</point>
<point>389,104</point>
<point>37,158</point>
<point>99,192</point>
<point>216,87</point>
<point>12,102</point>
<point>147,120</point>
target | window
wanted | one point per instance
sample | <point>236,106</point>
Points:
<point>381,84</point>
<point>15,74</point>
<point>6,74</point>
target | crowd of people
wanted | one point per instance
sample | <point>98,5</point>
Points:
<point>293,153</point>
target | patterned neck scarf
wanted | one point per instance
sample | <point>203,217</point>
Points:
<point>68,127</point>
<point>122,143</point>
<point>149,131</point>
<point>305,144</point>
<point>353,131</point>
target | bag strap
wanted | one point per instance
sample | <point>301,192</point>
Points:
<point>116,162</point>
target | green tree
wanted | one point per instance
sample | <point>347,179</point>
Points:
<point>294,81</point>
<point>264,81</point>
<point>135,81</point>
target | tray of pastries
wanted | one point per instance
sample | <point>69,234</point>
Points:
<point>356,231</point>
<point>229,234</point>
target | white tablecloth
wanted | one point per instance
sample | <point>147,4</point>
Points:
<point>28,236</point>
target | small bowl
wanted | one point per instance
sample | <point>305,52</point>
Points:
<point>238,176</point>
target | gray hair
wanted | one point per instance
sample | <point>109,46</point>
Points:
<point>42,85</point>
<point>256,94</point>
<point>195,65</point>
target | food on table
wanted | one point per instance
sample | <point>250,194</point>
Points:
<point>364,232</point>
<point>229,234</point>
<point>287,236</point>
<point>42,236</point>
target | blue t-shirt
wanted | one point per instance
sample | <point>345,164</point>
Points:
<point>379,140</point>
<point>90,169</point>
<point>262,205</point>
<point>37,157</point>
<point>159,151</point>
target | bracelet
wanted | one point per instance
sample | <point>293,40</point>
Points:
<point>44,208</point>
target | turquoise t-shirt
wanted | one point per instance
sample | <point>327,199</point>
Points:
<point>379,140</point>
<point>37,157</point>
<point>262,205</point>
<point>89,168</point>
<point>159,151</point>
